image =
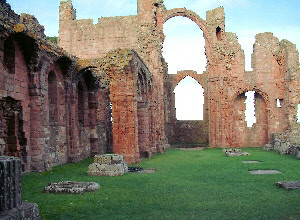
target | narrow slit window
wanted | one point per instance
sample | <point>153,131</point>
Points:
<point>250,108</point>
<point>279,103</point>
<point>218,33</point>
<point>298,114</point>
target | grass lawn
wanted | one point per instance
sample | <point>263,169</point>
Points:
<point>187,185</point>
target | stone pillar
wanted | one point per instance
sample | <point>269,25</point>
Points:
<point>144,129</point>
<point>37,140</point>
<point>93,123</point>
<point>73,148</point>
<point>125,123</point>
<point>152,136</point>
<point>11,205</point>
<point>10,183</point>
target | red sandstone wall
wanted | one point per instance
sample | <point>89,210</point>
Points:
<point>190,132</point>
<point>86,40</point>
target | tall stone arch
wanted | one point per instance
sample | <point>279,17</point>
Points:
<point>183,12</point>
<point>258,134</point>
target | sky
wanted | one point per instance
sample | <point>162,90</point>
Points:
<point>184,43</point>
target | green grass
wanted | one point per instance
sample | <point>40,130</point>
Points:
<point>187,185</point>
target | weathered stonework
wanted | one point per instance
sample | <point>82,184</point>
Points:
<point>70,187</point>
<point>11,205</point>
<point>234,152</point>
<point>106,87</point>
<point>108,165</point>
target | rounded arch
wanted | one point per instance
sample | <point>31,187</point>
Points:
<point>64,64</point>
<point>89,75</point>
<point>257,133</point>
<point>251,88</point>
<point>183,12</point>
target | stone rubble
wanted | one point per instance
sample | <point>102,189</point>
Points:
<point>70,187</point>
<point>235,152</point>
<point>289,185</point>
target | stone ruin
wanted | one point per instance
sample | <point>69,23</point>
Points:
<point>235,152</point>
<point>108,165</point>
<point>70,187</point>
<point>105,87</point>
<point>11,205</point>
<point>289,185</point>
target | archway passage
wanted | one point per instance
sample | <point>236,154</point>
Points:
<point>189,126</point>
<point>189,99</point>
<point>257,134</point>
<point>183,48</point>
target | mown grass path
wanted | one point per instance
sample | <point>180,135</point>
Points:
<point>187,185</point>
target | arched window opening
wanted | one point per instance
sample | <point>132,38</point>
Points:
<point>250,108</point>
<point>184,45</point>
<point>189,99</point>
<point>218,33</point>
<point>52,97</point>
<point>9,56</point>
<point>80,103</point>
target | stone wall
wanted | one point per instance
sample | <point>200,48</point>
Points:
<point>117,96</point>
<point>43,93</point>
<point>86,40</point>
<point>287,142</point>
<point>190,132</point>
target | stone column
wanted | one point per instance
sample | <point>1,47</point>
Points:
<point>11,205</point>
<point>92,102</point>
<point>144,129</point>
<point>10,184</point>
<point>37,139</point>
<point>124,114</point>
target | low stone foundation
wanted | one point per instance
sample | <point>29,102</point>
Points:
<point>70,187</point>
<point>108,165</point>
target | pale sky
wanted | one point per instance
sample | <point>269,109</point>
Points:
<point>184,44</point>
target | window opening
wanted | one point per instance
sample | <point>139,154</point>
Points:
<point>250,108</point>
<point>189,99</point>
<point>218,33</point>
<point>298,114</point>
<point>279,103</point>
<point>111,117</point>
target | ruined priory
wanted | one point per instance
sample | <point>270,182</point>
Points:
<point>105,87</point>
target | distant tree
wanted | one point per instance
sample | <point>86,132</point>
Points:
<point>52,39</point>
